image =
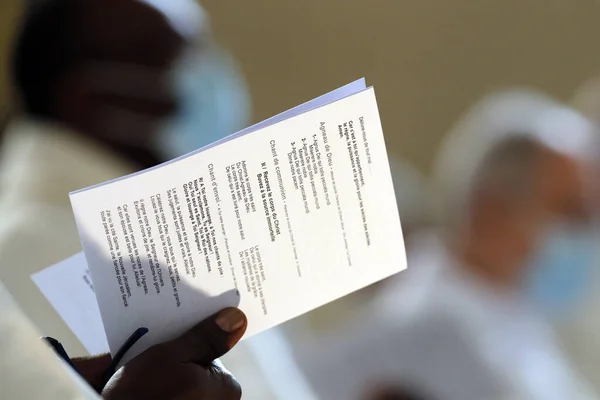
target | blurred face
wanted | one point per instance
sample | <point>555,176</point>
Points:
<point>561,264</point>
<point>557,195</point>
<point>562,196</point>
<point>118,89</point>
<point>546,241</point>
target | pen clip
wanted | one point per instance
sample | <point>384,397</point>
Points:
<point>133,339</point>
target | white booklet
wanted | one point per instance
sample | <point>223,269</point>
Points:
<point>67,284</point>
<point>279,219</point>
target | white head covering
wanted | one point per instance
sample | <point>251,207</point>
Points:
<point>185,16</point>
<point>494,119</point>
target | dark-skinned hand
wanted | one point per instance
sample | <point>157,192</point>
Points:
<point>183,368</point>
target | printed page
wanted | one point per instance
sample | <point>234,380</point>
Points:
<point>278,222</point>
<point>68,287</point>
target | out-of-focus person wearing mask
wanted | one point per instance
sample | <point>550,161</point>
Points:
<point>517,183</point>
<point>579,332</point>
<point>105,88</point>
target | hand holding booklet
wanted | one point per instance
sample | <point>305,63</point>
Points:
<point>277,220</point>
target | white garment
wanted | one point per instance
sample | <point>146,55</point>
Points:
<point>28,368</point>
<point>445,334</point>
<point>40,164</point>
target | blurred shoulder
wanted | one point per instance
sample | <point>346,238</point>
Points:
<point>36,235</point>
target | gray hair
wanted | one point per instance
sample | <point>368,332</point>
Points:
<point>508,169</point>
<point>496,144</point>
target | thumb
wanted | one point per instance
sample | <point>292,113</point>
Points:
<point>211,338</point>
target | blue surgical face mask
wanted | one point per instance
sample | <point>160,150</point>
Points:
<point>562,270</point>
<point>214,103</point>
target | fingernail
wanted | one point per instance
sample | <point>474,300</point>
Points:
<point>230,320</point>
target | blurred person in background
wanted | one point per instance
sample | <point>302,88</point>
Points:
<point>106,88</point>
<point>517,181</point>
